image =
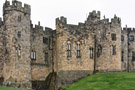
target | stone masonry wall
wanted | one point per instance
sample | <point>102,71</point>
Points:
<point>40,67</point>
<point>17,69</point>
<point>69,67</point>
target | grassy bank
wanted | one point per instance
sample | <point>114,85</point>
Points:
<point>107,81</point>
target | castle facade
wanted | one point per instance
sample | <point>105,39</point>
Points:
<point>45,59</point>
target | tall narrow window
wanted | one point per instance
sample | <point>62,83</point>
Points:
<point>19,51</point>
<point>122,38</point>
<point>122,56</point>
<point>133,56</point>
<point>131,38</point>
<point>19,34</point>
<point>46,58</point>
<point>78,51</point>
<point>91,53</point>
<point>113,50</point>
<point>45,40</point>
<point>113,37</point>
<point>19,18</point>
<point>68,50</point>
<point>33,55</point>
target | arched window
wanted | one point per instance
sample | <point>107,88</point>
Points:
<point>33,55</point>
<point>113,50</point>
<point>78,50</point>
<point>68,49</point>
<point>91,52</point>
<point>19,51</point>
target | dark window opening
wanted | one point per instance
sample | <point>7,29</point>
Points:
<point>133,56</point>
<point>99,50</point>
<point>91,53</point>
<point>113,37</point>
<point>19,34</point>
<point>78,51</point>
<point>122,38</point>
<point>68,50</point>
<point>122,56</point>
<point>113,50</point>
<point>45,40</point>
<point>33,55</point>
<point>46,58</point>
<point>19,18</point>
<point>131,38</point>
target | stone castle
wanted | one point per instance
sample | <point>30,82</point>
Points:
<point>46,59</point>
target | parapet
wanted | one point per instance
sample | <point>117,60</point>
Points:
<point>127,29</point>
<point>94,15</point>
<point>16,5</point>
<point>116,20</point>
<point>61,20</point>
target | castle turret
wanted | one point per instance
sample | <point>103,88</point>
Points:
<point>17,69</point>
<point>16,5</point>
<point>94,16</point>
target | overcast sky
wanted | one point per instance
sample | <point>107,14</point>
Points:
<point>46,11</point>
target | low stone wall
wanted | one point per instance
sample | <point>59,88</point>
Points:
<point>70,76</point>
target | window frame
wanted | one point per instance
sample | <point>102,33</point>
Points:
<point>33,55</point>
<point>113,36</point>
<point>78,51</point>
<point>114,50</point>
<point>91,52</point>
<point>46,57</point>
<point>68,50</point>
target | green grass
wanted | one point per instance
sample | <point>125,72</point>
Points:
<point>107,81</point>
<point>5,88</point>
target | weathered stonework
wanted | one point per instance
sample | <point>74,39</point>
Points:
<point>46,59</point>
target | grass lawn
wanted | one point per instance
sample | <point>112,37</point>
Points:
<point>5,88</point>
<point>107,81</point>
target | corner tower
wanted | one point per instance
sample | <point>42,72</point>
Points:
<point>17,70</point>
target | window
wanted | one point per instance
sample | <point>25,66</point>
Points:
<point>91,53</point>
<point>122,56</point>
<point>45,40</point>
<point>99,50</point>
<point>78,51</point>
<point>50,43</point>
<point>113,50</point>
<point>46,58</point>
<point>122,38</point>
<point>113,37</point>
<point>68,50</point>
<point>131,38</point>
<point>19,51</point>
<point>19,34</point>
<point>133,56</point>
<point>33,55</point>
<point>19,18</point>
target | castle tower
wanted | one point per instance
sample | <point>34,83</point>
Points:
<point>17,70</point>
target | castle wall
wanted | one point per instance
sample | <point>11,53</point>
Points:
<point>40,67</point>
<point>17,69</point>
<point>124,50</point>
<point>105,60</point>
<point>129,60</point>
<point>103,29</point>
<point>1,48</point>
<point>70,69</point>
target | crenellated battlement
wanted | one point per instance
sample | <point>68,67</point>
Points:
<point>129,29</point>
<point>94,15</point>
<point>38,28</point>
<point>16,5</point>
<point>61,20</point>
<point>116,20</point>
